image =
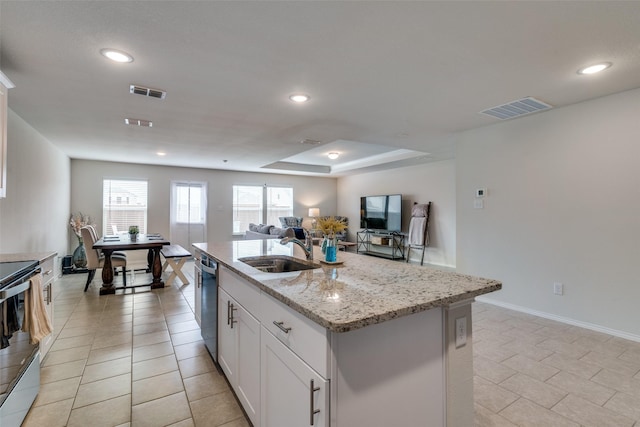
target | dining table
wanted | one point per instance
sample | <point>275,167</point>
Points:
<point>124,242</point>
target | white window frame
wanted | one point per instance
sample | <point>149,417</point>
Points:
<point>264,209</point>
<point>136,194</point>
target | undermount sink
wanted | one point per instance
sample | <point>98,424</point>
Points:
<point>278,263</point>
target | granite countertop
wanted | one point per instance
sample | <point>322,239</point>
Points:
<point>27,256</point>
<point>362,291</point>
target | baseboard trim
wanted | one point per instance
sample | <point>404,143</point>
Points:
<point>561,319</point>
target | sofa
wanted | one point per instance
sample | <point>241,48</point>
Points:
<point>263,231</point>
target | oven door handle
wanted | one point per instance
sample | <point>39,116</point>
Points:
<point>15,290</point>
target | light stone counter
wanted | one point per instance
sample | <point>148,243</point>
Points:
<point>27,256</point>
<point>362,291</point>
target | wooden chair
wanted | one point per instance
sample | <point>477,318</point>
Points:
<point>95,259</point>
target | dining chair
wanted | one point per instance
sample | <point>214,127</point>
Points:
<point>95,258</point>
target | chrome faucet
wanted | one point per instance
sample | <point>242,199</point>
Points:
<point>307,246</point>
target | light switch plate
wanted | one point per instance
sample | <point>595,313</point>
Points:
<point>478,204</point>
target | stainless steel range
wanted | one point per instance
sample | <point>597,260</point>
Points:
<point>19,359</point>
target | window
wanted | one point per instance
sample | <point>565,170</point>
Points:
<point>124,203</point>
<point>254,203</point>
<point>189,202</point>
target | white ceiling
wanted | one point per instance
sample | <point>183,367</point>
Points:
<point>391,83</point>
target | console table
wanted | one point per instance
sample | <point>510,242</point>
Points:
<point>380,244</point>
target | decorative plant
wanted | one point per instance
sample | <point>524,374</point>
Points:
<point>133,229</point>
<point>330,226</point>
<point>77,221</point>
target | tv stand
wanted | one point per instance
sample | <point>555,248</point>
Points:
<point>384,244</point>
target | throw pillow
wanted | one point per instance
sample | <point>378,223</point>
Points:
<point>264,229</point>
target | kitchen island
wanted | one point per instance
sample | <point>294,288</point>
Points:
<point>366,342</point>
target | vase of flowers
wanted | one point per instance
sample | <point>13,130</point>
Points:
<point>76,222</point>
<point>329,227</point>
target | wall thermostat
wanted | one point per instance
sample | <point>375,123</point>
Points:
<point>481,192</point>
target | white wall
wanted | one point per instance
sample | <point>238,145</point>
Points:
<point>86,192</point>
<point>34,217</point>
<point>433,182</point>
<point>563,206</point>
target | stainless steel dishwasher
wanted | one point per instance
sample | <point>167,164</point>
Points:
<point>209,310</point>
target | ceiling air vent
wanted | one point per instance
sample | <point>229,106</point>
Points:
<point>139,122</point>
<point>517,108</point>
<point>146,91</point>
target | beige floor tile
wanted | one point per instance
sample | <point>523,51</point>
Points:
<point>152,351</point>
<point>618,381</point>
<point>72,342</point>
<point>216,410</point>
<point>57,391</point>
<point>51,415</point>
<point>103,414</point>
<point>150,338</point>
<point>486,418</point>
<point>491,396</point>
<point>157,366</point>
<point>161,412</point>
<point>149,327</point>
<point>525,413</point>
<point>186,337</point>
<point>490,370</point>
<point>106,369</point>
<point>568,349</point>
<point>64,356</point>
<point>111,340</point>
<point>543,394</point>
<point>156,387</point>
<point>574,366</point>
<point>490,350</point>
<point>190,325</point>
<point>109,353</point>
<point>626,405</point>
<point>581,387</point>
<point>608,349</point>
<point>62,371</point>
<point>196,366</point>
<point>184,423</point>
<point>181,317</point>
<point>530,367</point>
<point>242,422</point>
<point>612,363</point>
<point>589,414</point>
<point>75,332</point>
<point>191,349</point>
<point>204,385</point>
<point>100,390</point>
<point>143,320</point>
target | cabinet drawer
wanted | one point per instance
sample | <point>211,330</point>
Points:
<point>243,292</point>
<point>303,336</point>
<point>47,270</point>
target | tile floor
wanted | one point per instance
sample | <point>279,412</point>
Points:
<point>138,360</point>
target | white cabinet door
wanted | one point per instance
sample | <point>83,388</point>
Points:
<point>226,336</point>
<point>239,352</point>
<point>248,363</point>
<point>292,394</point>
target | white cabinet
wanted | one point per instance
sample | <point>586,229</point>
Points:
<point>293,394</point>
<point>47,295</point>
<point>239,352</point>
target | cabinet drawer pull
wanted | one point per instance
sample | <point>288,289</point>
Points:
<point>312,411</point>
<point>48,272</point>
<point>281,327</point>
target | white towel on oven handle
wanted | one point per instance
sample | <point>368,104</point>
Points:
<point>36,319</point>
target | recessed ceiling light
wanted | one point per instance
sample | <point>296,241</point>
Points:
<point>333,155</point>
<point>299,97</point>
<point>161,153</point>
<point>596,68</point>
<point>116,55</point>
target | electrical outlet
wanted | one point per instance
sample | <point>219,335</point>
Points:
<point>461,331</point>
<point>558,288</point>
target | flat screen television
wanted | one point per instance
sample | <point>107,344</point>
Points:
<point>381,213</point>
